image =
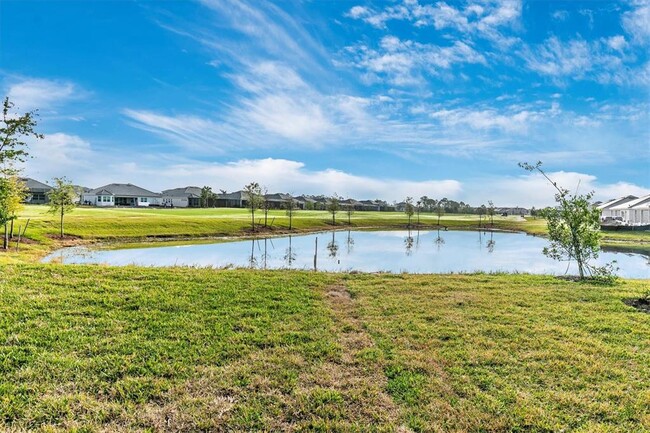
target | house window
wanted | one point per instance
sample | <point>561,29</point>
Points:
<point>143,199</point>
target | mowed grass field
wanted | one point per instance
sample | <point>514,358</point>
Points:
<point>133,224</point>
<point>92,348</point>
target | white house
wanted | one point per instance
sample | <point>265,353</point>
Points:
<point>607,209</point>
<point>121,194</point>
<point>190,196</point>
<point>634,212</point>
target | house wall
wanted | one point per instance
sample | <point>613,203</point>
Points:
<point>148,201</point>
<point>97,201</point>
<point>100,201</point>
<point>169,201</point>
<point>37,197</point>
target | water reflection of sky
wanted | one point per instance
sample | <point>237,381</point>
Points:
<point>368,251</point>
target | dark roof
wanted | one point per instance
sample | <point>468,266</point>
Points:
<point>188,191</point>
<point>34,185</point>
<point>277,197</point>
<point>237,195</point>
<point>123,190</point>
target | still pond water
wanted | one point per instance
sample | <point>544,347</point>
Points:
<point>367,251</point>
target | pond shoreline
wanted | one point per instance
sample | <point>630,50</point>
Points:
<point>420,250</point>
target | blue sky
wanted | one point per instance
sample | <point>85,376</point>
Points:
<point>379,99</point>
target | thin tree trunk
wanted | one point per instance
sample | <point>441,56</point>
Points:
<point>253,219</point>
<point>11,230</point>
<point>62,222</point>
<point>5,239</point>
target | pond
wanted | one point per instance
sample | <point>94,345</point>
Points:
<point>366,251</point>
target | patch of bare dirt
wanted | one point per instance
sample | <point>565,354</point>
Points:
<point>641,304</point>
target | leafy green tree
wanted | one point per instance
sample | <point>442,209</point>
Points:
<point>573,228</point>
<point>62,198</point>
<point>14,130</point>
<point>12,194</point>
<point>207,196</point>
<point>333,206</point>
<point>254,193</point>
<point>409,209</point>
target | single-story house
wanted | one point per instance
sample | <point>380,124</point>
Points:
<point>350,202</point>
<point>607,209</point>
<point>505,211</point>
<point>305,202</point>
<point>121,194</point>
<point>633,212</point>
<point>371,205</point>
<point>36,191</point>
<point>232,199</point>
<point>278,200</point>
<point>190,196</point>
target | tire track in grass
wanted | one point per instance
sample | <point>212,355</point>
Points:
<point>349,392</point>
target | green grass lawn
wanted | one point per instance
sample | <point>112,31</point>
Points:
<point>86,348</point>
<point>132,224</point>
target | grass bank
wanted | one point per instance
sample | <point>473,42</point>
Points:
<point>129,225</point>
<point>182,349</point>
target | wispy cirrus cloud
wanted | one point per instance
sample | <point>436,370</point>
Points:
<point>408,62</point>
<point>484,18</point>
<point>37,93</point>
<point>604,61</point>
<point>635,21</point>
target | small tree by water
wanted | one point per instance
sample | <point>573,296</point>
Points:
<point>290,206</point>
<point>409,209</point>
<point>254,193</point>
<point>491,211</point>
<point>333,206</point>
<point>62,199</point>
<point>349,211</point>
<point>440,211</point>
<point>573,228</point>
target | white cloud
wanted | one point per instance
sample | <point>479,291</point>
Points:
<point>59,154</point>
<point>603,61</point>
<point>617,43</point>
<point>559,59</point>
<point>486,119</point>
<point>404,63</point>
<point>532,189</point>
<point>288,117</point>
<point>484,18</point>
<point>191,132</point>
<point>636,22</point>
<point>560,15</point>
<point>31,94</point>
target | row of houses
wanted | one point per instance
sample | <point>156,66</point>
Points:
<point>120,194</point>
<point>629,211</point>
